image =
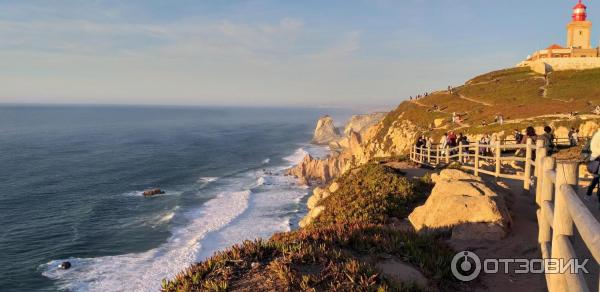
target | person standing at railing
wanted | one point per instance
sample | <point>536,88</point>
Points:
<point>549,140</point>
<point>485,140</point>
<point>593,163</point>
<point>518,136</point>
<point>420,143</point>
<point>573,137</point>
<point>444,143</point>
<point>452,141</point>
<point>529,133</point>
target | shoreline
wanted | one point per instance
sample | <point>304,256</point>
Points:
<point>271,179</point>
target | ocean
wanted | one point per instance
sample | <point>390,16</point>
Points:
<point>72,177</point>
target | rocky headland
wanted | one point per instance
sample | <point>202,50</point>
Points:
<point>377,222</point>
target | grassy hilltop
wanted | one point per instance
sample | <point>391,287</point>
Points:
<point>516,93</point>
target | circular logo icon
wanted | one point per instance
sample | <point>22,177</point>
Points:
<point>466,266</point>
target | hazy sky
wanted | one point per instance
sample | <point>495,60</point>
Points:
<point>309,52</point>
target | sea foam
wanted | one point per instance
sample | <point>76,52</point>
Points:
<point>144,271</point>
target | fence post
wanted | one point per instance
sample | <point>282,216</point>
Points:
<point>566,173</point>
<point>540,155</point>
<point>527,174</point>
<point>545,234</point>
<point>460,152</point>
<point>437,154</point>
<point>447,149</point>
<point>498,154</point>
<point>429,154</point>
<point>477,158</point>
<point>422,154</point>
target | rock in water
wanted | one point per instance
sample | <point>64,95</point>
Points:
<point>325,132</point>
<point>466,205</point>
<point>65,265</point>
<point>153,192</point>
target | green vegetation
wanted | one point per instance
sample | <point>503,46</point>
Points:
<point>339,251</point>
<point>517,86</point>
<point>333,258</point>
<point>576,86</point>
<point>373,193</point>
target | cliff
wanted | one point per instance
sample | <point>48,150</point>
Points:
<point>363,228</point>
<point>522,97</point>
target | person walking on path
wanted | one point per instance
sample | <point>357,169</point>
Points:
<point>594,150</point>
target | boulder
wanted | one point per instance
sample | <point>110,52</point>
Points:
<point>310,217</point>
<point>402,272</point>
<point>325,132</point>
<point>334,187</point>
<point>316,198</point>
<point>65,265</point>
<point>453,175</point>
<point>465,204</point>
<point>153,192</point>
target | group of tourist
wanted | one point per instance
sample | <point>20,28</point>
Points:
<point>591,151</point>
<point>426,94</point>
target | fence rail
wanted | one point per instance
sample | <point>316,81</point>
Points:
<point>559,210</point>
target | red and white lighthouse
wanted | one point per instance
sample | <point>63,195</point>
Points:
<point>579,31</point>
<point>580,12</point>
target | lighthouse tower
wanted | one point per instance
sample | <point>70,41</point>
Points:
<point>579,30</point>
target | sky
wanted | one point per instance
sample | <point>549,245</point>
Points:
<point>263,52</point>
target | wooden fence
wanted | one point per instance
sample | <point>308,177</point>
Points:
<point>560,211</point>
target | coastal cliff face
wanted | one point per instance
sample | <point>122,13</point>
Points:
<point>361,123</point>
<point>357,148</point>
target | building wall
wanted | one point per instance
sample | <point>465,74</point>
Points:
<point>545,65</point>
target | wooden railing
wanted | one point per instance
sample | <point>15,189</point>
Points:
<point>472,156</point>
<point>560,211</point>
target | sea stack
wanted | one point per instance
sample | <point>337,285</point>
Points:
<point>325,132</point>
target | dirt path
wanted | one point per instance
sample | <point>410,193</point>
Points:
<point>521,242</point>
<point>474,100</point>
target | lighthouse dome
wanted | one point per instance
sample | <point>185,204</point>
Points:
<point>580,12</point>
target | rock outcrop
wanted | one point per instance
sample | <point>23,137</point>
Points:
<point>393,140</point>
<point>153,192</point>
<point>361,123</point>
<point>325,132</point>
<point>466,205</point>
<point>318,194</point>
<point>321,170</point>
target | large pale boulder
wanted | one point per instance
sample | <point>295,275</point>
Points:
<point>316,198</point>
<point>334,187</point>
<point>310,217</point>
<point>466,205</point>
<point>325,132</point>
